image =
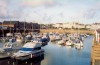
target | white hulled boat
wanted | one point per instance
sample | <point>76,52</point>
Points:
<point>79,44</point>
<point>69,43</point>
<point>10,46</point>
<point>28,51</point>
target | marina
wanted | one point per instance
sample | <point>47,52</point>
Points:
<point>56,54</point>
<point>49,32</point>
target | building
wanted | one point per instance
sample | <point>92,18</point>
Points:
<point>93,26</point>
<point>17,26</point>
<point>97,35</point>
<point>58,25</point>
<point>8,23</point>
<point>46,26</point>
<point>69,25</point>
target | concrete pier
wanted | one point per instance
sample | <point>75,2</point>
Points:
<point>95,55</point>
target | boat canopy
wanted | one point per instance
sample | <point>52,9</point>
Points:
<point>43,39</point>
<point>9,34</point>
<point>32,45</point>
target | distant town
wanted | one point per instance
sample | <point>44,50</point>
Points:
<point>24,25</point>
<point>72,25</point>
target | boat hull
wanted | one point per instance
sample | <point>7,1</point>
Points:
<point>27,57</point>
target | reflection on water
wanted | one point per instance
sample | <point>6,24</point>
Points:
<point>59,55</point>
<point>35,61</point>
<point>67,55</point>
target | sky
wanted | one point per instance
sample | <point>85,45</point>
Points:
<point>50,11</point>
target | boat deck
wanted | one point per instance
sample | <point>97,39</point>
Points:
<point>95,55</point>
<point>4,56</point>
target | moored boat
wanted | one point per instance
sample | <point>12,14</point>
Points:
<point>10,46</point>
<point>79,44</point>
<point>69,43</point>
<point>28,51</point>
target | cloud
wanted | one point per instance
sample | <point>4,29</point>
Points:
<point>36,2</point>
<point>3,8</point>
<point>50,10</point>
<point>93,12</point>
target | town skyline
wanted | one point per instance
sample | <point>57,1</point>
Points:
<point>1,21</point>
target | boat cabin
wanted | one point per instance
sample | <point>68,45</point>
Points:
<point>31,46</point>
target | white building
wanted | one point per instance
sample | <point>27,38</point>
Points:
<point>97,35</point>
<point>69,25</point>
<point>94,26</point>
<point>58,25</point>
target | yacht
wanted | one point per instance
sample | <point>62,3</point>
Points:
<point>61,42</point>
<point>69,43</point>
<point>79,44</point>
<point>45,39</point>
<point>9,35</point>
<point>10,46</point>
<point>28,51</point>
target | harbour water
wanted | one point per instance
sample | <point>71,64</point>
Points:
<point>60,55</point>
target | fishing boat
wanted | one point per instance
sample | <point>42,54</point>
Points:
<point>28,51</point>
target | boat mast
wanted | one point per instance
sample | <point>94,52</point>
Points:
<point>2,32</point>
<point>32,27</point>
<point>24,28</point>
<point>78,28</point>
<point>10,26</point>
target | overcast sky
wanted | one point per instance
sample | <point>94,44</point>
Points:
<point>50,11</point>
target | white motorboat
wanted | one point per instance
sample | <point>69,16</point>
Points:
<point>79,44</point>
<point>69,43</point>
<point>61,42</point>
<point>28,51</point>
<point>9,35</point>
<point>10,46</point>
<point>54,37</point>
